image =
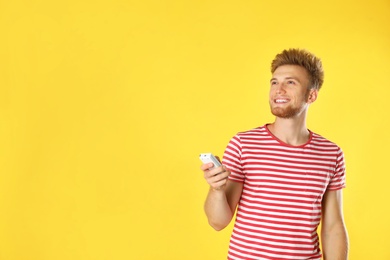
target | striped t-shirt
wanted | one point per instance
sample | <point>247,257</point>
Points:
<point>280,206</point>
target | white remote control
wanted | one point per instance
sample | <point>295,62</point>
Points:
<point>209,157</point>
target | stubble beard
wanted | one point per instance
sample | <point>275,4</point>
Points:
<point>287,112</point>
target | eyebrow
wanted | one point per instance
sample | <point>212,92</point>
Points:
<point>294,78</point>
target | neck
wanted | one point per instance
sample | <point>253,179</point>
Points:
<point>292,131</point>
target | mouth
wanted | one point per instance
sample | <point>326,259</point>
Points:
<point>281,100</point>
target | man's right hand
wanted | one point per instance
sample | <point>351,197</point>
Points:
<point>216,178</point>
<point>223,196</point>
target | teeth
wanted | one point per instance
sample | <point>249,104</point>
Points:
<point>280,100</point>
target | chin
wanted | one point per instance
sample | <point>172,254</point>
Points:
<point>285,113</point>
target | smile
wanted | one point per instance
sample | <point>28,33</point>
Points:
<point>281,100</point>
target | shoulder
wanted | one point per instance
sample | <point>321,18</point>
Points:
<point>253,133</point>
<point>252,138</point>
<point>322,142</point>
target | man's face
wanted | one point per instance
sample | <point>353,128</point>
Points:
<point>289,93</point>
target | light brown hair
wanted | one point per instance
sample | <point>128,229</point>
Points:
<point>305,59</point>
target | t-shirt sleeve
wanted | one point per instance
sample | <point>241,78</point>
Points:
<point>338,180</point>
<point>232,159</point>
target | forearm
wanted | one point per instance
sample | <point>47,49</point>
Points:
<point>217,209</point>
<point>335,244</point>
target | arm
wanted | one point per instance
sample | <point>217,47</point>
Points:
<point>333,233</point>
<point>222,198</point>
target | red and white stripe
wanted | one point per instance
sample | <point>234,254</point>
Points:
<point>280,207</point>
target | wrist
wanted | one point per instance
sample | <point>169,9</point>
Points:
<point>220,189</point>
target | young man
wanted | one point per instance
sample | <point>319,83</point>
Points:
<point>284,178</point>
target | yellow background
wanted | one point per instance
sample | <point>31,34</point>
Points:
<point>105,106</point>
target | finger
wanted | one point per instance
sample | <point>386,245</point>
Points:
<point>219,184</point>
<point>206,166</point>
<point>218,177</point>
<point>213,172</point>
<point>217,170</point>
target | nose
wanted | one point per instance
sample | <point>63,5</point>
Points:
<point>280,88</point>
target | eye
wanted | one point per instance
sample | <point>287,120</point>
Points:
<point>273,83</point>
<point>291,82</point>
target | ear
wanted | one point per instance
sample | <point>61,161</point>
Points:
<point>312,96</point>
